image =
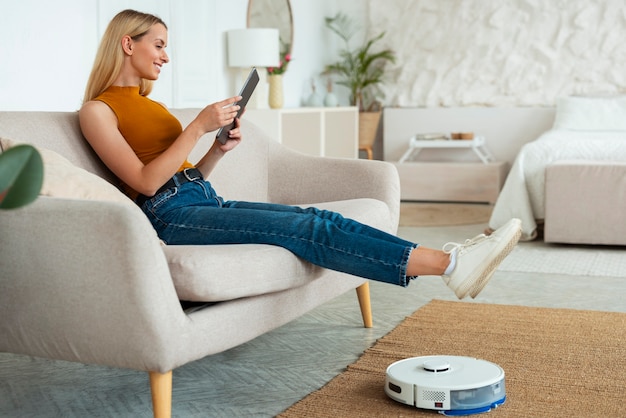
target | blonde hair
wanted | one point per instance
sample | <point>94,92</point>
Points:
<point>110,57</point>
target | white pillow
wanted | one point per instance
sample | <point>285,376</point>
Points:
<point>63,179</point>
<point>591,113</point>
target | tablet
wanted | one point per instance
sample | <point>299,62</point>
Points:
<point>245,93</point>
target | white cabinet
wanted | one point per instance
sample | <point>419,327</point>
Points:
<point>321,131</point>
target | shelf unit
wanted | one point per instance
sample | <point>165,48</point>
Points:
<point>320,131</point>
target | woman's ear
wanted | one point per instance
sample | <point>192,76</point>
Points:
<point>127,45</point>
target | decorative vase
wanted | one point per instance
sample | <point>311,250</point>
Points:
<point>315,99</point>
<point>330,100</point>
<point>276,91</point>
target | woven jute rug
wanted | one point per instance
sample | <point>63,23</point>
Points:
<point>557,362</point>
<point>443,214</point>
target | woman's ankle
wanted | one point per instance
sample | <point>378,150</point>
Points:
<point>428,262</point>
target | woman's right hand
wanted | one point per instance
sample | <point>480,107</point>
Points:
<point>219,114</point>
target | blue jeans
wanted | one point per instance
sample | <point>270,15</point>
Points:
<point>193,214</point>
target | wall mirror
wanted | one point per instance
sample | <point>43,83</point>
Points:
<point>273,14</point>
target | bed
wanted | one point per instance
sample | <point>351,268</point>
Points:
<point>586,129</point>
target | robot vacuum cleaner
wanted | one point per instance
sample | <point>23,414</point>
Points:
<point>452,385</point>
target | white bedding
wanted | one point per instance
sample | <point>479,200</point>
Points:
<point>523,193</point>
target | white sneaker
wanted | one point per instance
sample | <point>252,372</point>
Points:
<point>478,258</point>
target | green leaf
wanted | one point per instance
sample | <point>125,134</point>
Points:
<point>359,69</point>
<point>21,176</point>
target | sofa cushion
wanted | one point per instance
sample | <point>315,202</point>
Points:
<point>65,180</point>
<point>225,272</point>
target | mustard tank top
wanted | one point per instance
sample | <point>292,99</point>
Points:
<point>148,127</point>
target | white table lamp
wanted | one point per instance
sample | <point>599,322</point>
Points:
<point>254,47</point>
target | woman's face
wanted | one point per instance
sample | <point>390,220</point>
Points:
<point>148,53</point>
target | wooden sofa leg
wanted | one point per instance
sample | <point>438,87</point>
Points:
<point>363,293</point>
<point>161,388</point>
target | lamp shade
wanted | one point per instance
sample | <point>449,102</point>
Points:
<point>254,47</point>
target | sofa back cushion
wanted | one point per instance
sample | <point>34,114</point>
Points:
<point>63,179</point>
<point>56,131</point>
<point>241,175</point>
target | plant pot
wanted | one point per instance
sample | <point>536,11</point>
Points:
<point>368,127</point>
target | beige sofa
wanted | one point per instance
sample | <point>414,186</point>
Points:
<point>84,278</point>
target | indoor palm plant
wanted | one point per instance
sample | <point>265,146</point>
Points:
<point>362,71</point>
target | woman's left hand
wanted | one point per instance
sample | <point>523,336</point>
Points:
<point>234,137</point>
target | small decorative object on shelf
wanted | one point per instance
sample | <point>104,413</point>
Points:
<point>462,135</point>
<point>331,99</point>
<point>276,91</point>
<point>435,136</point>
<point>315,99</point>
<point>276,81</point>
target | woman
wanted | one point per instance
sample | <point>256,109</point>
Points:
<point>146,147</point>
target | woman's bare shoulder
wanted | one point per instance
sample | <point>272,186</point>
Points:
<point>94,108</point>
<point>97,115</point>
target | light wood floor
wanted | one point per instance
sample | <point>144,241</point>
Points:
<point>267,375</point>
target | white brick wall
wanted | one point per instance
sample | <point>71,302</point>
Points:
<point>501,52</point>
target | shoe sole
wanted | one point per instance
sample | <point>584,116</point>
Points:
<point>479,284</point>
<point>482,281</point>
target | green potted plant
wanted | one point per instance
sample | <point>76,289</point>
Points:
<point>21,176</point>
<point>362,71</point>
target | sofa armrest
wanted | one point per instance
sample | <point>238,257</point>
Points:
<point>85,281</point>
<point>296,178</point>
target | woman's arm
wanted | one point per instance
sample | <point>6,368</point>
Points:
<point>209,161</point>
<point>100,127</point>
